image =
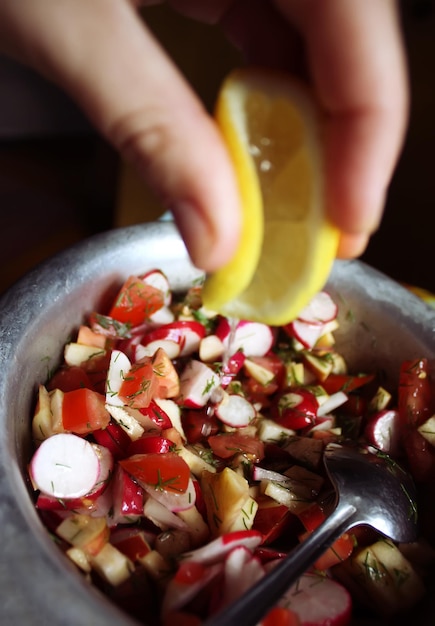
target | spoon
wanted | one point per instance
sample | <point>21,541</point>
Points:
<point>371,489</point>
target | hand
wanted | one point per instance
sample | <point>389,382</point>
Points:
<point>103,55</point>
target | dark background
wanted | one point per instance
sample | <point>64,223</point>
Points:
<point>60,182</point>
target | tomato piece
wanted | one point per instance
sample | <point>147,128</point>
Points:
<point>166,472</point>
<point>168,381</point>
<point>140,384</point>
<point>136,302</point>
<point>83,411</point>
<point>415,396</point>
<point>189,572</point>
<point>227,445</point>
<point>96,368</point>
<point>150,443</point>
<point>280,616</point>
<point>340,550</point>
<point>69,378</point>
<point>345,382</point>
<point>199,424</point>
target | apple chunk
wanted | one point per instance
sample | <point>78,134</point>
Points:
<point>229,504</point>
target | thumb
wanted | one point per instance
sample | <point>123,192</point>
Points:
<point>104,56</point>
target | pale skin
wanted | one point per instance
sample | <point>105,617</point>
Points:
<point>103,55</point>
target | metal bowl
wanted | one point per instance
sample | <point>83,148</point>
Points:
<point>381,324</point>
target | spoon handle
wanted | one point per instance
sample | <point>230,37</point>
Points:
<point>256,602</point>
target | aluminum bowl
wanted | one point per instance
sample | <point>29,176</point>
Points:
<point>381,324</point>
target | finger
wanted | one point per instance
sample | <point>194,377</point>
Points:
<point>351,245</point>
<point>103,55</point>
<point>357,63</point>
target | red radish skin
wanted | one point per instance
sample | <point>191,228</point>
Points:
<point>186,334</point>
<point>320,310</point>
<point>319,601</point>
<point>241,571</point>
<point>296,409</point>
<point>215,550</point>
<point>66,466</point>
<point>156,415</point>
<point>252,338</point>
<point>128,497</point>
<point>232,367</point>
<point>114,438</point>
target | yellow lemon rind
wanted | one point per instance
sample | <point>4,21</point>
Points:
<point>229,281</point>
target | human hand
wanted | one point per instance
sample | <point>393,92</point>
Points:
<point>103,55</point>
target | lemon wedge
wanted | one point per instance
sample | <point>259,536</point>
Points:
<point>273,132</point>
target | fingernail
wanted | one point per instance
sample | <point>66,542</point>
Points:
<point>352,245</point>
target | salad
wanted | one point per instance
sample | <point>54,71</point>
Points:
<point>178,457</point>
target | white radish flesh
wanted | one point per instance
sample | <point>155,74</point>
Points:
<point>157,279</point>
<point>65,466</point>
<point>383,431</point>
<point>234,410</point>
<point>197,383</point>
<point>118,368</point>
<point>174,502</point>
<point>172,348</point>
<point>252,338</point>
<point>307,334</point>
<point>319,601</point>
<point>330,404</point>
<point>319,310</point>
<point>161,516</point>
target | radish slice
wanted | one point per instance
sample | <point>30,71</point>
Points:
<point>65,466</point>
<point>383,431</point>
<point>319,310</point>
<point>174,502</point>
<point>197,383</point>
<point>252,338</point>
<point>241,571</point>
<point>128,497</point>
<point>172,348</point>
<point>307,334</point>
<point>161,516</point>
<point>319,601</point>
<point>234,410</point>
<point>217,549</point>
<point>156,278</point>
<point>330,404</point>
<point>118,368</point>
<point>183,588</point>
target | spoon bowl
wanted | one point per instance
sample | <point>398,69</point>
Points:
<point>371,489</point>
